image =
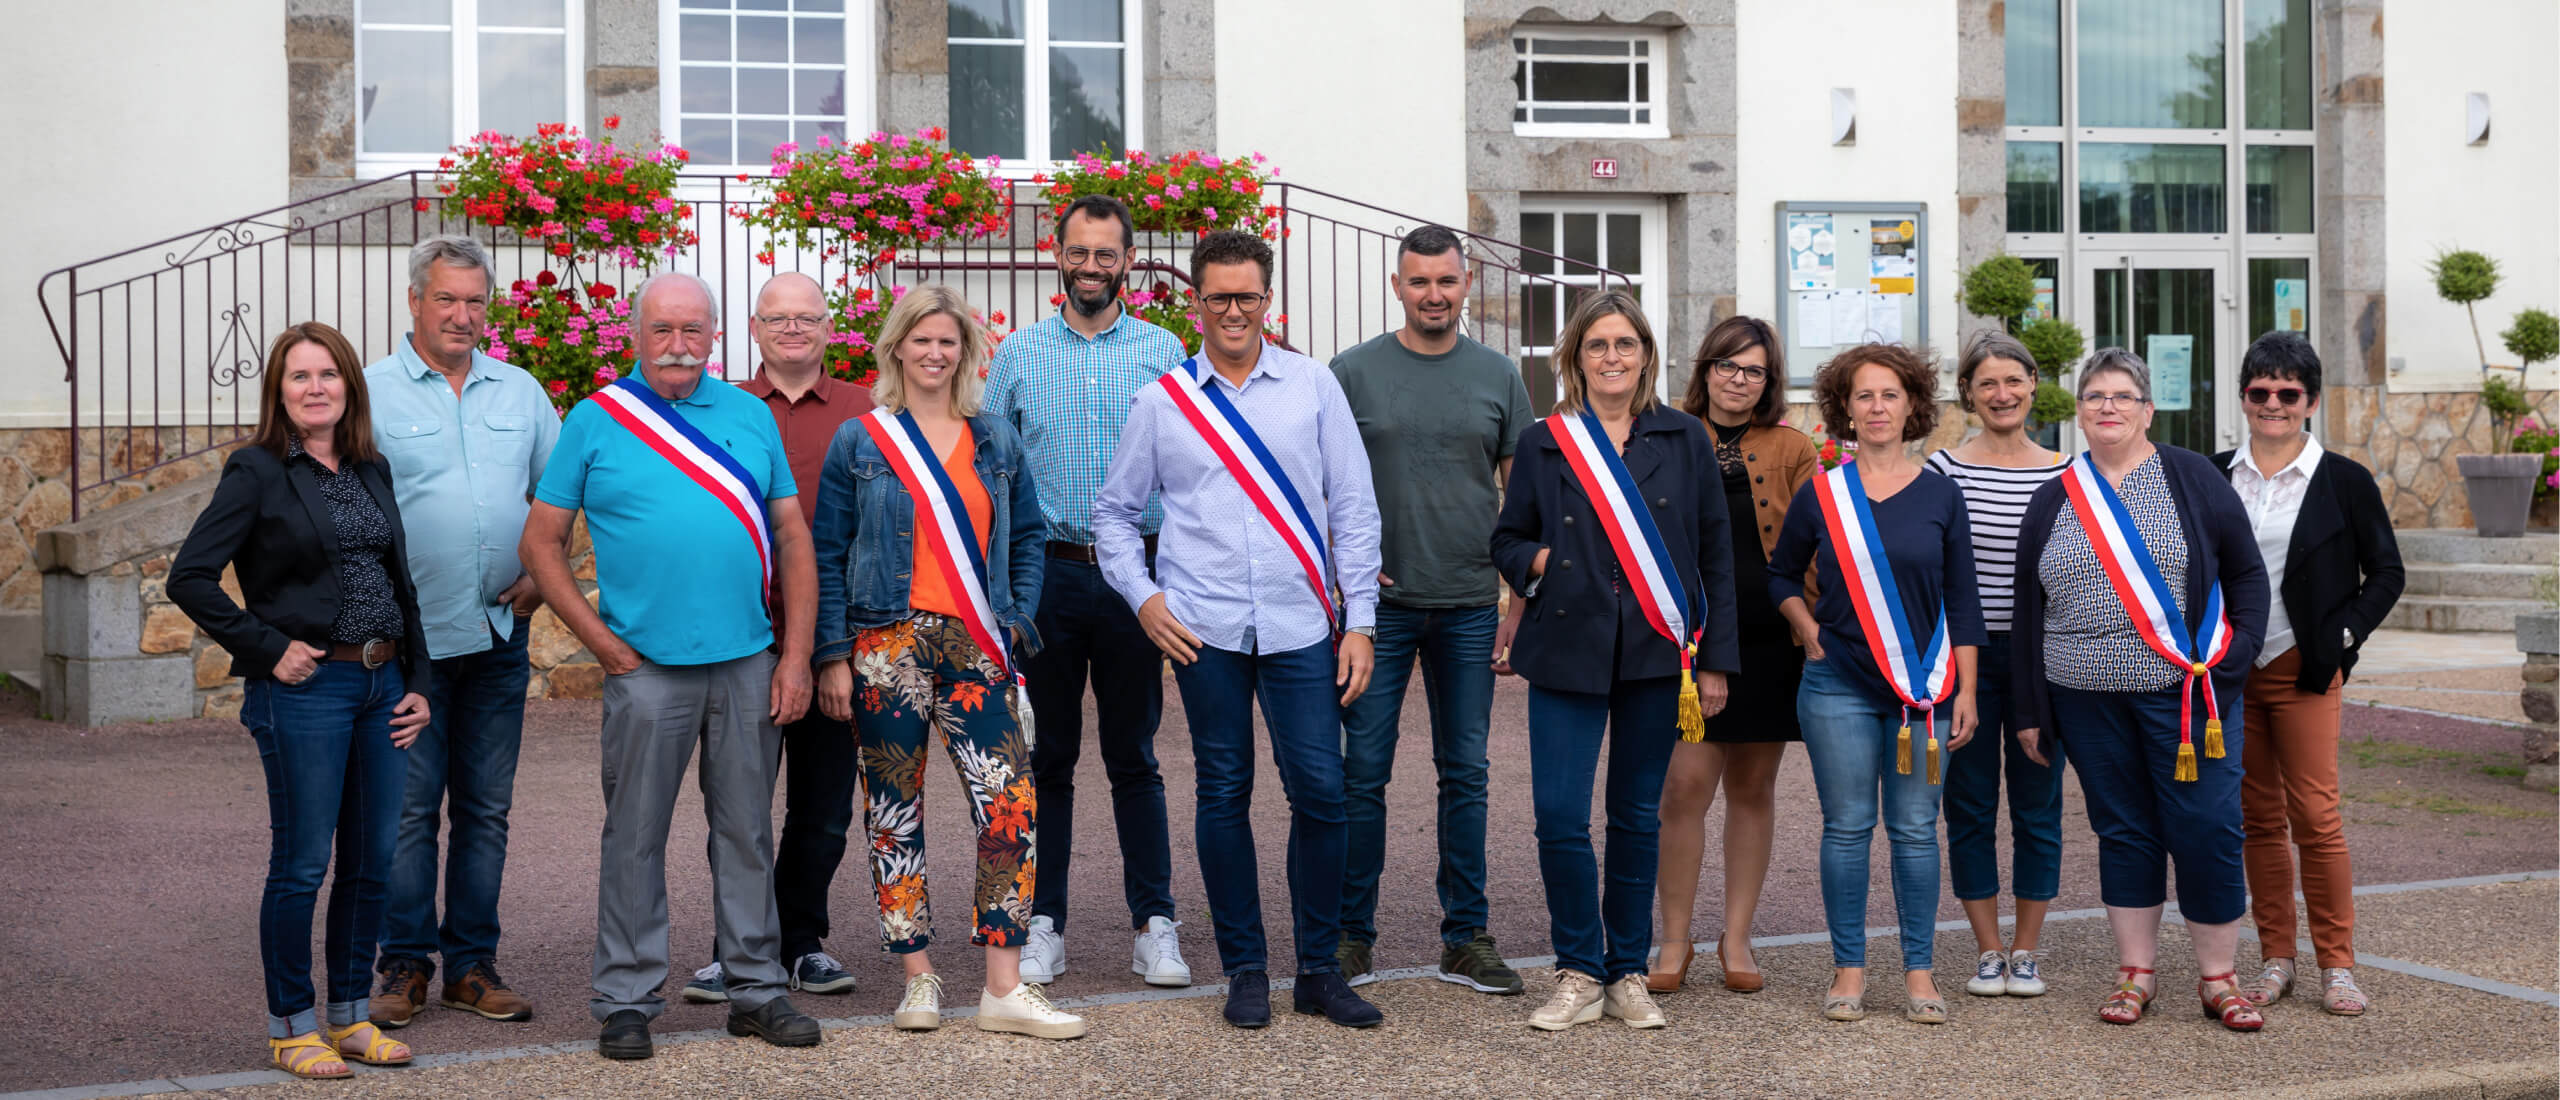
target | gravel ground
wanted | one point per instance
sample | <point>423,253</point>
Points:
<point>2500,931</point>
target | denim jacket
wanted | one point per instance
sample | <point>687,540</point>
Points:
<point>865,533</point>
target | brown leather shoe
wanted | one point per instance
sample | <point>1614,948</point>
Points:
<point>481,990</point>
<point>404,991</point>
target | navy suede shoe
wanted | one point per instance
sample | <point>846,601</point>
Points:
<point>1249,999</point>
<point>1327,995</point>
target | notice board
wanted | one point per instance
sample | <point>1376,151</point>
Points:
<point>1850,273</point>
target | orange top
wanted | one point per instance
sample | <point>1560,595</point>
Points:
<point>931,589</point>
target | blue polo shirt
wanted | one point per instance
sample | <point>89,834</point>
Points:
<point>676,575</point>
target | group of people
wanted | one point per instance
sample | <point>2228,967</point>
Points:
<point>797,567</point>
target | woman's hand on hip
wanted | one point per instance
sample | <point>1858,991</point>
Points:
<point>408,720</point>
<point>300,660</point>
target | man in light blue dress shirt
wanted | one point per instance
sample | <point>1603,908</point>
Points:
<point>466,436</point>
<point>1232,605</point>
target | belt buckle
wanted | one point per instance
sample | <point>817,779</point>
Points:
<point>367,653</point>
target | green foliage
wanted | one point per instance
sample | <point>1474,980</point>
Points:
<point>2534,338</point>
<point>2054,404</point>
<point>2463,277</point>
<point>2506,404</point>
<point>2054,342</point>
<point>2002,288</point>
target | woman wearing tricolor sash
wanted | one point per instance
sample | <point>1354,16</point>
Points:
<point>1889,673</point>
<point>2141,603</point>
<point>929,538</point>
<point>1614,531</point>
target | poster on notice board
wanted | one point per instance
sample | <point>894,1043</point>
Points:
<point>2292,304</point>
<point>1893,257</point>
<point>1813,252</point>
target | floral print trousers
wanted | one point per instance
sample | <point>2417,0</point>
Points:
<point>911,678</point>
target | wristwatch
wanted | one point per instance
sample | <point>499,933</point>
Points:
<point>1369,632</point>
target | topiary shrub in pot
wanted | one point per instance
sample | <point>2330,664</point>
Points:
<point>2499,486</point>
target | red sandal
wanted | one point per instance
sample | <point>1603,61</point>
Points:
<point>2125,1005</point>
<point>2229,1006</point>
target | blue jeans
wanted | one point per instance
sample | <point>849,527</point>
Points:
<point>1973,798</point>
<point>1085,627</point>
<point>333,779</point>
<point>1300,707</point>
<point>1455,647</point>
<point>467,754</point>
<point>2124,744</point>
<point>1604,933</point>
<point>1849,734</point>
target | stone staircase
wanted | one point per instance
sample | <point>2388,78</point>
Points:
<point>2460,582</point>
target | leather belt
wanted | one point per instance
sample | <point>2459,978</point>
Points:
<point>1084,552</point>
<point>371,654</point>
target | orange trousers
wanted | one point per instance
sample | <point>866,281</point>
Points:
<point>2289,802</point>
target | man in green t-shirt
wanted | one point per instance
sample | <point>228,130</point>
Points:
<point>1439,414</point>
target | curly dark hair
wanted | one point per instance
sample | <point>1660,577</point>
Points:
<point>1230,246</point>
<point>1731,337</point>
<point>1912,369</point>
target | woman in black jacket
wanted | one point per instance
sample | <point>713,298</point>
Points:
<point>1592,639</point>
<point>2335,567</point>
<point>330,647</point>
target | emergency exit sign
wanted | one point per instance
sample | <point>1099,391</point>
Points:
<point>1604,168</point>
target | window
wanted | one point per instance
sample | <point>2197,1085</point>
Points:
<point>2275,50</point>
<point>2132,188</point>
<point>2151,63</point>
<point>752,74</point>
<point>1581,82</point>
<point>2032,50</point>
<point>431,73</point>
<point>1571,248</point>
<point>1044,80</point>
<point>2035,187</point>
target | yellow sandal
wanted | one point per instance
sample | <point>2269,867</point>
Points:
<point>305,1056</point>
<point>363,1042</point>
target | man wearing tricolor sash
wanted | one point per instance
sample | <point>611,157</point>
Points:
<point>1266,585</point>
<point>695,519</point>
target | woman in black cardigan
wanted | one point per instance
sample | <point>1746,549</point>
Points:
<point>2157,744</point>
<point>331,650</point>
<point>2335,567</point>
<point>1594,661</point>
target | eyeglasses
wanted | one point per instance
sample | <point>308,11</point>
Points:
<point>1230,303</point>
<point>2103,400</point>
<point>1076,256</point>
<point>2290,396</point>
<point>785,322</point>
<point>1627,347</point>
<point>1727,368</point>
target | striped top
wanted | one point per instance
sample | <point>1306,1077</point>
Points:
<point>1995,497</point>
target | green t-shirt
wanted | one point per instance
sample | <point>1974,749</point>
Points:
<point>1436,426</point>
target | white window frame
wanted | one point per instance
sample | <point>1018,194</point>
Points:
<point>1035,44</point>
<point>465,35</point>
<point>861,78</point>
<point>1652,252</point>
<point>1657,57</point>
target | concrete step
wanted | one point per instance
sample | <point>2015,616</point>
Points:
<point>2509,582</point>
<point>22,680</point>
<point>2457,614</point>
<point>2459,547</point>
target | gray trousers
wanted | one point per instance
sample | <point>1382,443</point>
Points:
<point>653,718</point>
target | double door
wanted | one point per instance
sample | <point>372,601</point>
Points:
<point>2178,311</point>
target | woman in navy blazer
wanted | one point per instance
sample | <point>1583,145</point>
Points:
<point>1593,660</point>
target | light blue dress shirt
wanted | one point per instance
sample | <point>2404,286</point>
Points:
<point>462,469</point>
<point>1068,395</point>
<point>1225,572</point>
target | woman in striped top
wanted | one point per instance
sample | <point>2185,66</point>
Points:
<point>1998,469</point>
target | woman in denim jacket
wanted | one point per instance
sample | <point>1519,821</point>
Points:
<point>897,656</point>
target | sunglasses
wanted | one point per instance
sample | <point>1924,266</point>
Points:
<point>2290,396</point>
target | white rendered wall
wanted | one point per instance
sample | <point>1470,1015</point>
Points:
<point>2501,198</point>
<point>125,121</point>
<point>1360,98</point>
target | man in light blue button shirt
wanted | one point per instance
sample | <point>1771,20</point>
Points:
<point>466,436</point>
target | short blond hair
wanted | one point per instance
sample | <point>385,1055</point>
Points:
<point>968,383</point>
<point>1567,357</point>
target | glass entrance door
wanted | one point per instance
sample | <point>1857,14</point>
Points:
<point>2172,309</point>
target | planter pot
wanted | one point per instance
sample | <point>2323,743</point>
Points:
<point>2501,491</point>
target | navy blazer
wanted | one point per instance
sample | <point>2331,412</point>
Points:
<point>1577,618</point>
<point>2342,568</point>
<point>2220,544</point>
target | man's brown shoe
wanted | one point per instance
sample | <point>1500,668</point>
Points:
<point>404,991</point>
<point>481,990</point>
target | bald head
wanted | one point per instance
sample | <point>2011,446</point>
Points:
<point>792,327</point>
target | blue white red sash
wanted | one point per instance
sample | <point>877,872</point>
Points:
<point>2151,605</point>
<point>1923,676</point>
<point>1233,439</point>
<point>1642,555</point>
<point>943,529</point>
<point>655,422</point>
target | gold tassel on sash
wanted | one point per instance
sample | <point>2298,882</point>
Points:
<point>2186,763</point>
<point>1933,757</point>
<point>2213,738</point>
<point>1902,750</point>
<point>1693,717</point>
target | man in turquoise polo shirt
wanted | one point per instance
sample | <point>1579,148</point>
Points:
<point>681,628</point>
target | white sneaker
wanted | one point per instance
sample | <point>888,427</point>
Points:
<point>922,1008</point>
<point>1044,952</point>
<point>1027,1011</point>
<point>2025,977</point>
<point>1990,975</point>
<point>1576,1001</point>
<point>1157,956</point>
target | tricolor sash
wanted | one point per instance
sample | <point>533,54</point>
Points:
<point>943,529</point>
<point>657,423</point>
<point>1233,439</point>
<point>2152,606</point>
<point>1642,555</point>
<point>1922,676</point>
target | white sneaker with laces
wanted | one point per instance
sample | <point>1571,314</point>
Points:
<point>1990,975</point>
<point>922,1008</point>
<point>1027,1011</point>
<point>2026,977</point>
<point>1044,952</point>
<point>1157,957</point>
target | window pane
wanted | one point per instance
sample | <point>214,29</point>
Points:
<point>2279,296</point>
<point>705,38</point>
<point>1567,82</point>
<point>2033,54</point>
<point>818,92</point>
<point>2275,64</point>
<point>523,82</point>
<point>2278,188</point>
<point>1582,47</point>
<point>407,99</point>
<point>1540,374</point>
<point>817,5</point>
<point>1644,84</point>
<point>1520,81</point>
<point>1626,244</point>
<point>432,12</point>
<point>1581,114</point>
<point>2151,63</point>
<point>1538,239</point>
<point>817,41</point>
<point>1581,241</point>
<point>764,92</point>
<point>986,99</point>
<point>1084,20</point>
<point>764,38</point>
<point>1084,101</point>
<point>2035,187</point>
<point>706,89</point>
<point>708,140</point>
<point>763,5</point>
<point>2151,189</point>
<point>757,137</point>
<point>986,19</point>
<point>522,13</point>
